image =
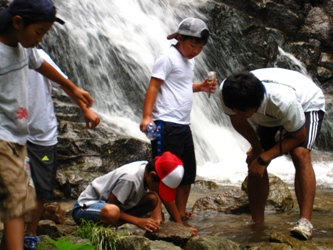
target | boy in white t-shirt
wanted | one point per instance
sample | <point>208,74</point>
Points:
<point>23,25</point>
<point>288,109</point>
<point>42,140</point>
<point>169,98</point>
<point>129,192</point>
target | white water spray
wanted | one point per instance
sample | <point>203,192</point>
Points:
<point>111,48</point>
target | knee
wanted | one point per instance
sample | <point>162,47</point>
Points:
<point>110,214</point>
<point>301,158</point>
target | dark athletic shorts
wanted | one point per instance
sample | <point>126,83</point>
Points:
<point>313,121</point>
<point>43,169</point>
<point>177,139</point>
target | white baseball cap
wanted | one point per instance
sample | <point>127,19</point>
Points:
<point>190,26</point>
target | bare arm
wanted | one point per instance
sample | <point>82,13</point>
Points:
<point>288,143</point>
<point>78,95</point>
<point>246,130</point>
<point>81,97</point>
<point>243,126</point>
<point>205,86</point>
<point>154,87</point>
<point>148,224</point>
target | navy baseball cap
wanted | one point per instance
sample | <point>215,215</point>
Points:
<point>35,10</point>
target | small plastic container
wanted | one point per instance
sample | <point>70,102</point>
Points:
<point>151,131</point>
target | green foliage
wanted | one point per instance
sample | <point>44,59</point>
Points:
<point>65,245</point>
<point>104,238</point>
<point>62,244</point>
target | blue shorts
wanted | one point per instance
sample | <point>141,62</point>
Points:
<point>313,121</point>
<point>177,139</point>
<point>91,213</point>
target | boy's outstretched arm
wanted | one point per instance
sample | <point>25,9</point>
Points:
<point>81,97</point>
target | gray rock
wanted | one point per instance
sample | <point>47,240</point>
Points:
<point>133,243</point>
<point>210,243</point>
<point>171,232</point>
<point>163,245</point>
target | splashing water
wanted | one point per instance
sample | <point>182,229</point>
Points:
<point>109,49</point>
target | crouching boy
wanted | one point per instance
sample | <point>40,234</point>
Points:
<point>131,191</point>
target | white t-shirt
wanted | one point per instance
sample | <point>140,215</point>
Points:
<point>125,182</point>
<point>288,94</point>
<point>175,98</point>
<point>42,119</point>
<point>14,65</point>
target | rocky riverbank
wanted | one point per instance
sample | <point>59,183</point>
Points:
<point>221,230</point>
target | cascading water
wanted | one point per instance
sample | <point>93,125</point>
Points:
<point>109,47</point>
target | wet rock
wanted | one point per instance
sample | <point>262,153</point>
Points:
<point>236,201</point>
<point>48,227</point>
<point>133,243</point>
<point>171,232</point>
<point>210,243</point>
<point>162,245</point>
<point>206,185</point>
<point>52,211</point>
<point>231,201</point>
<point>279,197</point>
<point>294,243</point>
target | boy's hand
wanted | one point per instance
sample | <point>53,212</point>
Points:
<point>91,118</point>
<point>257,169</point>
<point>83,96</point>
<point>144,123</point>
<point>208,86</point>
<point>148,224</point>
<point>252,154</point>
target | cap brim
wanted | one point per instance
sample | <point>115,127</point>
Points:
<point>58,20</point>
<point>172,36</point>
<point>167,194</point>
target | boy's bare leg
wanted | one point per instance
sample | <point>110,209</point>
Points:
<point>13,234</point>
<point>257,190</point>
<point>110,214</point>
<point>305,181</point>
<point>35,217</point>
<point>182,195</point>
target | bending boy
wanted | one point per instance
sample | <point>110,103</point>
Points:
<point>288,109</point>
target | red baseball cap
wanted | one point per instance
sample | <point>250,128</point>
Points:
<point>170,170</point>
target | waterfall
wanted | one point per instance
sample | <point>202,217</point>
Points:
<point>108,48</point>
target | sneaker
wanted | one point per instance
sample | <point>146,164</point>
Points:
<point>302,230</point>
<point>30,242</point>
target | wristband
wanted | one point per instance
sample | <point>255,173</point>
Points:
<point>262,162</point>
